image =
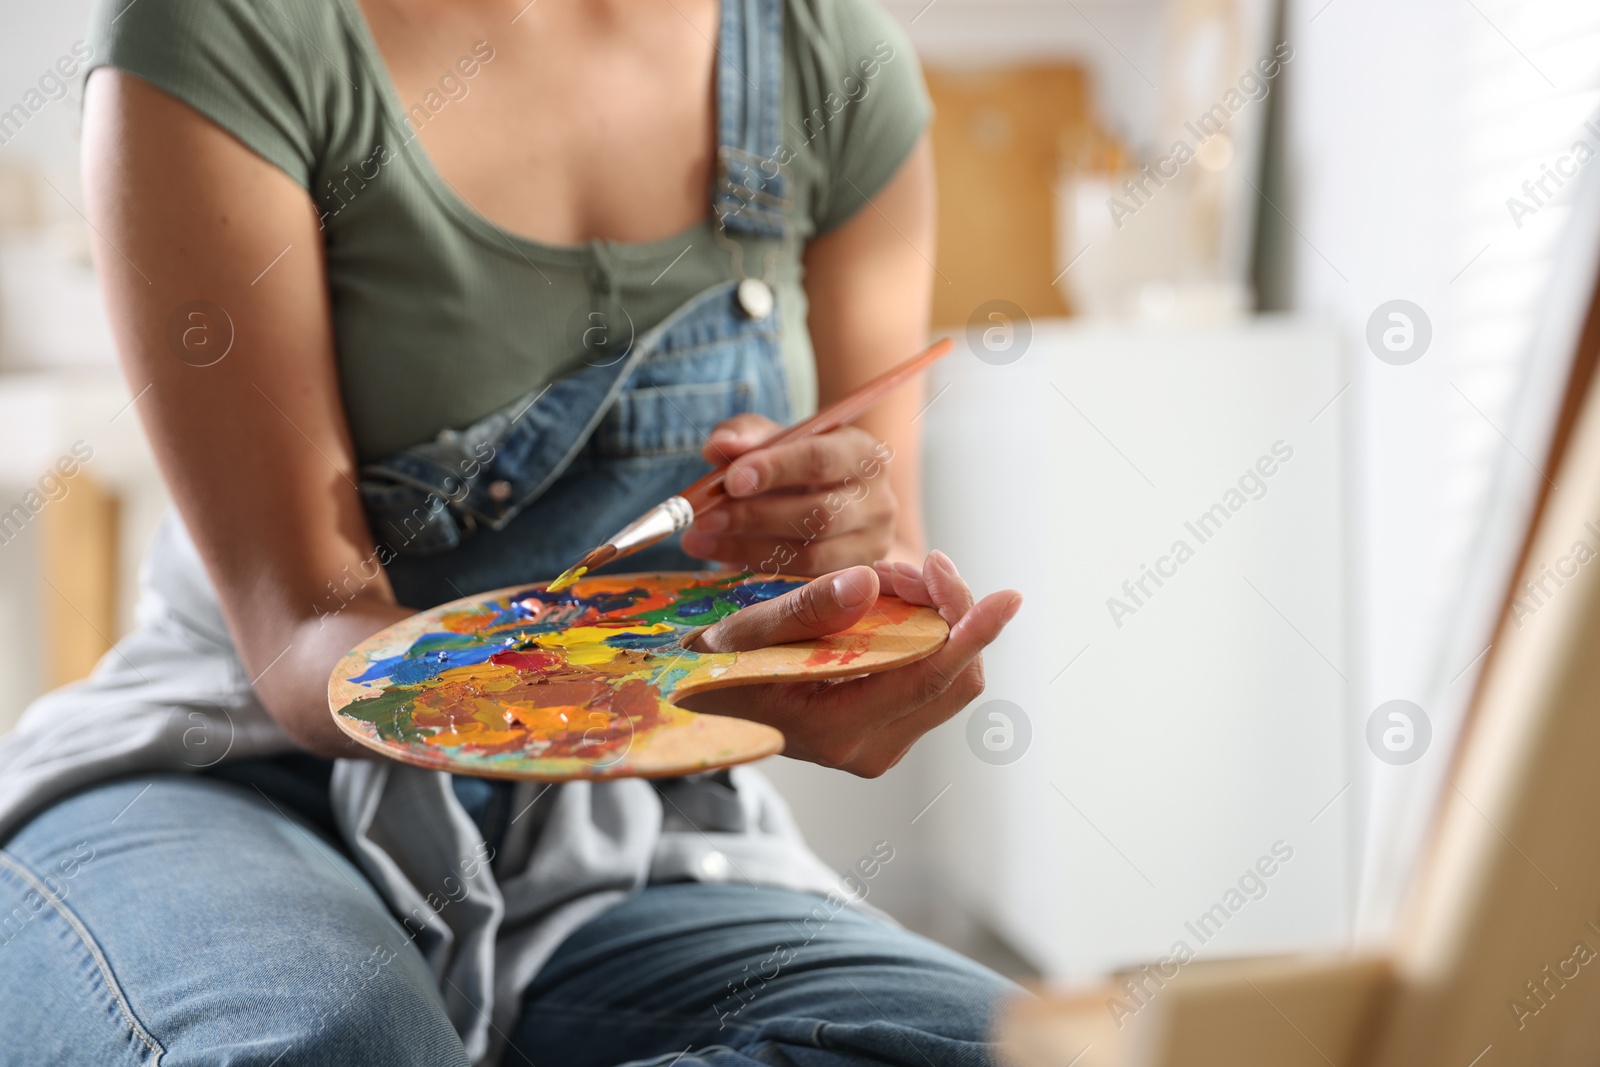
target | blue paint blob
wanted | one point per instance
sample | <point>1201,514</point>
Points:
<point>429,656</point>
<point>648,642</point>
<point>741,596</point>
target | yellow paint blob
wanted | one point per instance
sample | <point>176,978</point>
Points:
<point>473,733</point>
<point>546,722</point>
<point>585,645</point>
<point>567,578</point>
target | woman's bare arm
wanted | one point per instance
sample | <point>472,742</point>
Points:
<point>870,286</point>
<point>254,448</point>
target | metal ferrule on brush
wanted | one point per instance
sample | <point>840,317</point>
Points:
<point>657,524</point>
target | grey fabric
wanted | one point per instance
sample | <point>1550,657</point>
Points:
<point>172,696</point>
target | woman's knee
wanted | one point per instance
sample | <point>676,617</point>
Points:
<point>229,931</point>
<point>367,1014</point>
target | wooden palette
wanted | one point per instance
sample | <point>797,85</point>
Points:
<point>525,683</point>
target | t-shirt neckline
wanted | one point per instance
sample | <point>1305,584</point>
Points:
<point>486,230</point>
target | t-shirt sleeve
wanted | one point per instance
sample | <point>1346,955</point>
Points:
<point>244,64</point>
<point>863,103</point>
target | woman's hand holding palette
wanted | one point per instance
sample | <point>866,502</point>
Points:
<point>526,683</point>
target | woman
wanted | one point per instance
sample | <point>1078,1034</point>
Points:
<point>420,299</point>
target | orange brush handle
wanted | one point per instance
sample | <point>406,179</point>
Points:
<point>708,492</point>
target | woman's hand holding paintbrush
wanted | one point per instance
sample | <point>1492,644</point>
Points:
<point>803,501</point>
<point>805,507</point>
<point>814,451</point>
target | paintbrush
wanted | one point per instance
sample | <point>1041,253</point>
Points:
<point>675,513</point>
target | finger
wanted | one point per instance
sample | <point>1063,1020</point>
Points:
<point>892,739</point>
<point>732,438</point>
<point>978,628</point>
<point>927,681</point>
<point>949,593</point>
<point>906,582</point>
<point>929,692</point>
<point>832,603</point>
<point>895,739</point>
<point>824,459</point>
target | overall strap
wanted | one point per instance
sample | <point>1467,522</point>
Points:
<point>424,499</point>
<point>750,191</point>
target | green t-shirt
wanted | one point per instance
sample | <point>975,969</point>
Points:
<point>440,316</point>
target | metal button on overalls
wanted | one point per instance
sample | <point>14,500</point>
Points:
<point>755,297</point>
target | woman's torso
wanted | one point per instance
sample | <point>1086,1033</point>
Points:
<point>441,318</point>
<point>571,84</point>
<point>441,315</point>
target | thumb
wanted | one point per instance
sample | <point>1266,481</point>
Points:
<point>823,606</point>
<point>732,438</point>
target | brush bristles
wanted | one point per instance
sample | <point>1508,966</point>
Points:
<point>596,558</point>
<point>599,557</point>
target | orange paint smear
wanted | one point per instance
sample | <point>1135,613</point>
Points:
<point>835,656</point>
<point>534,702</point>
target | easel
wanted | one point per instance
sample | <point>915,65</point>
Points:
<point>1498,959</point>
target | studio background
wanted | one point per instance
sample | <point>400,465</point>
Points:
<point>1143,361</point>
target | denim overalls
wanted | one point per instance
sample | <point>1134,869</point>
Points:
<point>523,493</point>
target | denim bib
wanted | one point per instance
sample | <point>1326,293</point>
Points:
<point>522,493</point>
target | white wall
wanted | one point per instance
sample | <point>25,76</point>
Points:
<point>50,311</point>
<point>1171,747</point>
<point>35,36</point>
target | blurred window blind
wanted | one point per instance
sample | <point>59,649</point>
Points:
<point>1525,94</point>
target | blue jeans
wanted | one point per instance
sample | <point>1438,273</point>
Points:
<point>186,920</point>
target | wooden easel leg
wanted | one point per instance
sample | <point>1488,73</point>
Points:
<point>78,572</point>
